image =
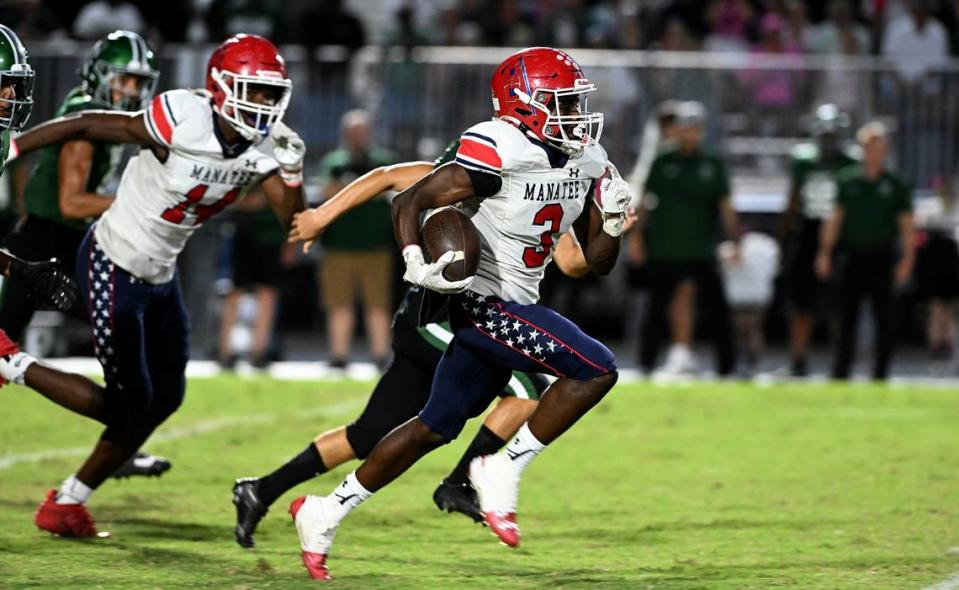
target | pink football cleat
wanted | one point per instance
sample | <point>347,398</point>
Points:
<point>503,526</point>
<point>315,547</point>
<point>497,486</point>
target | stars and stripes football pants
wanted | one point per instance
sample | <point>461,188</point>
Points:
<point>491,338</point>
<point>141,338</point>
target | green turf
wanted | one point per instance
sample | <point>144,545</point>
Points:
<point>710,486</point>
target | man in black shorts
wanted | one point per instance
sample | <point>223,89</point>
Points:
<point>257,247</point>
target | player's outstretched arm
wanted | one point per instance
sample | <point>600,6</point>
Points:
<point>108,126</point>
<point>309,224</point>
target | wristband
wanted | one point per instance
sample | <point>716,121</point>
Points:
<point>410,249</point>
<point>613,224</point>
<point>292,179</point>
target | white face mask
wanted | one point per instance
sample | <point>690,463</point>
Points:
<point>253,120</point>
<point>570,133</point>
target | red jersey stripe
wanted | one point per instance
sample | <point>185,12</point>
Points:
<point>161,120</point>
<point>480,152</point>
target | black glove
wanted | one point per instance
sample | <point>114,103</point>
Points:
<point>46,281</point>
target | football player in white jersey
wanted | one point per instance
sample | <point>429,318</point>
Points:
<point>201,152</point>
<point>531,174</point>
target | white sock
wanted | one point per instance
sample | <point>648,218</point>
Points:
<point>13,367</point>
<point>74,491</point>
<point>523,449</point>
<point>347,496</point>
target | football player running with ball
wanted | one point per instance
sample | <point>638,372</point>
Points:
<point>405,387</point>
<point>200,152</point>
<point>534,172</point>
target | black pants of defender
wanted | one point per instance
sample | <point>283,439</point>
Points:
<point>399,395</point>
<point>664,277</point>
<point>36,239</point>
<point>865,273</point>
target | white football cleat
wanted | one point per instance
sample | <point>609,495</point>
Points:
<point>316,532</point>
<point>496,482</point>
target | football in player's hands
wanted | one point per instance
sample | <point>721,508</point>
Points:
<point>449,230</point>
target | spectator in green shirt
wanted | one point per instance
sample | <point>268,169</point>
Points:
<point>687,195</point>
<point>359,248</point>
<point>872,222</point>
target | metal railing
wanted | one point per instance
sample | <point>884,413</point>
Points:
<point>424,97</point>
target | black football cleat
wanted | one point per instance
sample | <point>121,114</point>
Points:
<point>249,510</point>
<point>142,464</point>
<point>458,497</point>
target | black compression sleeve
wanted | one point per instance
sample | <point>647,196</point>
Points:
<point>485,184</point>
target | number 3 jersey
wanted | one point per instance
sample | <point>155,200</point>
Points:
<point>541,194</point>
<point>161,203</point>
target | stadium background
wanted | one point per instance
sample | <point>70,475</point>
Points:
<point>414,65</point>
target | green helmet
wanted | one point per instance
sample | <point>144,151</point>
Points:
<point>120,53</point>
<point>15,74</point>
<point>828,118</point>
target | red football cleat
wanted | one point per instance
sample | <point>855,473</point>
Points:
<point>7,346</point>
<point>503,526</point>
<point>315,562</point>
<point>66,520</point>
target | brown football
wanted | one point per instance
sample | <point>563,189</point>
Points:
<point>450,229</point>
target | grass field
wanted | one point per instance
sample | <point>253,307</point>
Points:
<point>709,486</point>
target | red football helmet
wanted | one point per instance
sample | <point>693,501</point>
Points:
<point>533,87</point>
<point>239,64</point>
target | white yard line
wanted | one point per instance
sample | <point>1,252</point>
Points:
<point>198,428</point>
<point>950,583</point>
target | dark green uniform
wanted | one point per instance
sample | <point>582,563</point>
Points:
<point>369,226</point>
<point>44,233</point>
<point>683,196</point>
<point>815,181</point>
<point>43,186</point>
<point>868,241</point>
<point>872,208</point>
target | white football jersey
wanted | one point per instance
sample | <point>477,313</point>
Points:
<point>160,204</point>
<point>537,202</point>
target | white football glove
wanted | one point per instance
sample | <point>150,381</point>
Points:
<point>613,198</point>
<point>431,276</point>
<point>289,150</point>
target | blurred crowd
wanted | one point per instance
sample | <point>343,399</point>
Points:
<point>801,26</point>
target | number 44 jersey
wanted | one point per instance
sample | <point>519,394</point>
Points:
<point>541,194</point>
<point>161,203</point>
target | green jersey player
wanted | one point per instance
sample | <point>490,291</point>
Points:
<point>812,195</point>
<point>43,280</point>
<point>69,186</point>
